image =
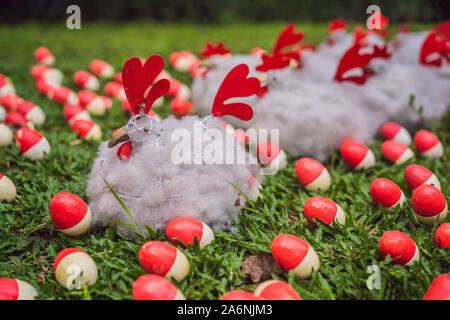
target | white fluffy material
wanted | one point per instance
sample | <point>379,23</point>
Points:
<point>156,190</point>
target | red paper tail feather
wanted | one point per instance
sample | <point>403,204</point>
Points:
<point>236,84</point>
<point>211,50</point>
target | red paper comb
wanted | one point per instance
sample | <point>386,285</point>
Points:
<point>433,44</point>
<point>287,38</point>
<point>211,50</point>
<point>138,76</point>
<point>337,25</point>
<point>353,59</point>
<point>273,62</point>
<point>235,84</point>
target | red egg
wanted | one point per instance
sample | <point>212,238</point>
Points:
<point>429,204</point>
<point>10,101</point>
<point>276,290</point>
<point>312,175</point>
<point>323,209</point>
<point>164,259</point>
<point>357,155</point>
<point>396,151</point>
<point>73,112</point>
<point>126,106</point>
<point>85,80</point>
<point>293,253</point>
<point>186,229</point>
<point>114,89</point>
<point>239,295</point>
<point>101,68</point>
<point>32,144</point>
<point>180,107</point>
<point>32,112</point>
<point>182,61</point>
<point>155,287</point>
<point>70,214</point>
<point>50,75</point>
<point>402,249</point>
<point>118,77</point>
<point>442,236</point>
<point>14,289</point>
<point>63,95</point>
<point>387,193</point>
<point>44,87</point>
<point>6,86</point>
<point>178,89</point>
<point>416,175</point>
<point>394,131</point>
<point>14,118</point>
<point>271,156</point>
<point>86,129</point>
<point>75,269</point>
<point>439,288</point>
<point>8,190</point>
<point>427,144</point>
<point>91,102</point>
<point>44,56</point>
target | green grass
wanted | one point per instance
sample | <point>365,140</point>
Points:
<point>29,242</point>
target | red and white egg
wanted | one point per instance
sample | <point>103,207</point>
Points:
<point>91,102</point>
<point>294,253</point>
<point>44,87</point>
<point>8,190</point>
<point>271,156</point>
<point>182,61</point>
<point>442,236</point>
<point>323,209</point>
<point>86,129</point>
<point>416,175</point>
<point>155,287</point>
<point>254,188</point>
<point>75,269</point>
<point>115,89</point>
<point>385,192</point>
<point>10,101</point>
<point>186,229</point>
<point>394,131</point>
<point>70,214</point>
<point>85,80</point>
<point>164,259</point>
<point>101,68</point>
<point>50,75</point>
<point>276,290</point>
<point>6,135</point>
<point>428,144</point>
<point>180,107</point>
<point>312,175</point>
<point>429,204</point>
<point>400,247</point>
<point>396,152</point>
<point>15,289</point>
<point>439,288</point>
<point>73,112</point>
<point>44,56</point>
<point>32,144</point>
<point>6,86</point>
<point>32,112</point>
<point>16,119</point>
<point>63,95</point>
<point>357,155</point>
<point>178,89</point>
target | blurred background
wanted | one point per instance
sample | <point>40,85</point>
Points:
<point>225,11</point>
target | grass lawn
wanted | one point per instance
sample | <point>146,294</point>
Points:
<point>29,242</point>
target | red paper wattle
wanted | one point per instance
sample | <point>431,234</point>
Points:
<point>235,84</point>
<point>137,77</point>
